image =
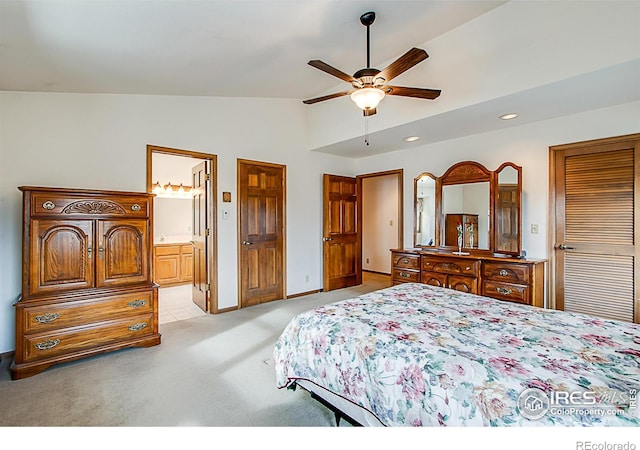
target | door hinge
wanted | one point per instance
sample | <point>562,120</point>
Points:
<point>207,177</point>
<point>207,287</point>
<point>207,232</point>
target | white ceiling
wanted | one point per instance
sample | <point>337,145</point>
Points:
<point>208,47</point>
<point>261,48</point>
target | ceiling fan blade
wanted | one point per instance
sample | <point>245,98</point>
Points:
<point>428,94</point>
<point>326,97</point>
<point>331,70</point>
<point>404,63</point>
<point>369,112</point>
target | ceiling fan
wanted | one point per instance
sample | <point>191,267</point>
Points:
<point>369,84</point>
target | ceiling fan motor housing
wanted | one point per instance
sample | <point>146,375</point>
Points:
<point>367,77</point>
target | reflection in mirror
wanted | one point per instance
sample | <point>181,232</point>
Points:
<point>466,212</point>
<point>508,210</point>
<point>425,211</point>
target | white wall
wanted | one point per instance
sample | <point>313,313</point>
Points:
<point>379,222</point>
<point>98,141</point>
<point>527,146</point>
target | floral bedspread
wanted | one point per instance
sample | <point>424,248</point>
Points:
<point>417,355</point>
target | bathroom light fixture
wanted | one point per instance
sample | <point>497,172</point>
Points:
<point>411,138</point>
<point>508,116</point>
<point>171,191</point>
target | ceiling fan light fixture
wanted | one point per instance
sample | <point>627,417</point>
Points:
<point>367,98</point>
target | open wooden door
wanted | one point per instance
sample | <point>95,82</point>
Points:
<point>342,236</point>
<point>201,178</point>
<point>595,186</point>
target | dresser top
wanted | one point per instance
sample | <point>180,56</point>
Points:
<point>474,256</point>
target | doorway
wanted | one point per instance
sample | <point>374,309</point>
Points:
<point>344,225</point>
<point>594,224</point>
<point>185,238</point>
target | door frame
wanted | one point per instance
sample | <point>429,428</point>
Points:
<point>552,219</point>
<point>212,257</point>
<point>399,173</point>
<point>239,162</point>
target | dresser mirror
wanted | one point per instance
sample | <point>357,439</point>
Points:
<point>474,209</point>
<point>507,224</point>
<point>424,193</point>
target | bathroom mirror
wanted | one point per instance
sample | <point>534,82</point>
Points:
<point>508,211</point>
<point>424,194</point>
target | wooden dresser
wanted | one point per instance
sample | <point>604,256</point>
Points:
<point>86,280</point>
<point>512,279</point>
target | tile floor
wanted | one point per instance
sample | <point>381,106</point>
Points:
<point>175,304</point>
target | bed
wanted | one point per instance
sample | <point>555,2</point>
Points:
<point>418,355</point>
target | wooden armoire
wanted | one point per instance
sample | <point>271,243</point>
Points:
<point>87,286</point>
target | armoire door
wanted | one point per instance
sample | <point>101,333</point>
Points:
<point>261,231</point>
<point>595,221</point>
<point>123,251</point>
<point>342,236</point>
<point>61,255</point>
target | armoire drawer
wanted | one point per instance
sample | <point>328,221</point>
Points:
<point>55,204</point>
<point>406,276</point>
<point>70,340</point>
<point>41,318</point>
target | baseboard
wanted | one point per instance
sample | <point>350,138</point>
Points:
<point>6,358</point>
<point>377,273</point>
<point>302,294</point>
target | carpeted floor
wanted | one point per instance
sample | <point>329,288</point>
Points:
<point>214,370</point>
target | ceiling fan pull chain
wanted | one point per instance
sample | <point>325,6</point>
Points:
<point>366,130</point>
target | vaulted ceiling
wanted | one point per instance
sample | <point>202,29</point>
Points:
<point>261,48</point>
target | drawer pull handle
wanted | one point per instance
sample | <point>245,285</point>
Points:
<point>405,275</point>
<point>48,344</point>
<point>46,318</point>
<point>137,303</point>
<point>138,326</point>
<point>48,205</point>
<point>135,207</point>
<point>467,268</point>
<point>503,273</point>
<point>405,260</point>
<point>504,291</point>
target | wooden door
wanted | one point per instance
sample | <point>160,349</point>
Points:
<point>200,234</point>
<point>595,258</point>
<point>123,252</point>
<point>261,231</point>
<point>61,255</point>
<point>342,237</point>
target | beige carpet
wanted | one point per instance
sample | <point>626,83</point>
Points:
<point>214,370</point>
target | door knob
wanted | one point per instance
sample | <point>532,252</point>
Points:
<point>327,239</point>
<point>564,247</point>
<point>246,243</point>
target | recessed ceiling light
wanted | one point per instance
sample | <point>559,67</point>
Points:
<point>509,116</point>
<point>411,138</point>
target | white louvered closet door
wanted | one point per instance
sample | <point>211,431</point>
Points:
<point>595,229</point>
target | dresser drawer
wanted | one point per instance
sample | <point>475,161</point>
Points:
<point>406,261</point>
<point>512,273</point>
<point>43,318</point>
<point>47,345</point>
<point>451,265</point>
<point>406,276</point>
<point>57,204</point>
<point>506,291</point>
